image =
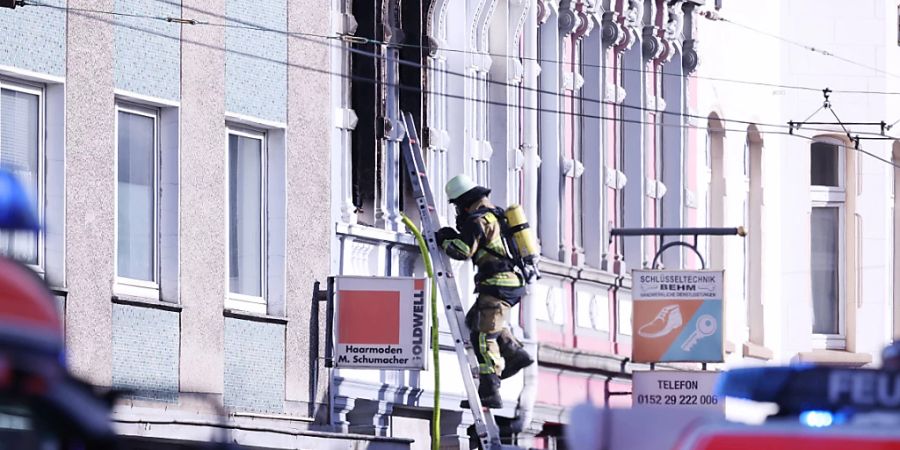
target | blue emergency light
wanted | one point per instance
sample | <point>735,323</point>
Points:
<point>817,390</point>
<point>16,211</point>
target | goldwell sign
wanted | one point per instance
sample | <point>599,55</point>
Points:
<point>380,323</point>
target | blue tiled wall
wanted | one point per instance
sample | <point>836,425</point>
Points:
<point>254,365</point>
<point>255,64</point>
<point>145,351</point>
<point>34,38</point>
<point>148,52</point>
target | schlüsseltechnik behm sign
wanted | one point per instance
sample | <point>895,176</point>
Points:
<point>380,323</point>
<point>677,315</point>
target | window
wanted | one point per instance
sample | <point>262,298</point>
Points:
<point>824,162</point>
<point>246,216</point>
<point>378,188</point>
<point>753,242</point>
<point>828,197</point>
<point>716,190</point>
<point>894,274</point>
<point>21,152</point>
<point>136,191</point>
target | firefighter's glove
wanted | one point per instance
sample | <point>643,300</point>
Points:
<point>444,234</point>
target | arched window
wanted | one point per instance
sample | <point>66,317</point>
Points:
<point>715,201</point>
<point>894,275</point>
<point>829,254</point>
<point>753,255</point>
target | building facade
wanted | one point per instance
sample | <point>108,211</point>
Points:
<point>157,139</point>
<point>198,167</point>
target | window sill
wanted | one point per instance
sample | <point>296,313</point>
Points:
<point>757,351</point>
<point>833,358</point>
<point>374,234</point>
<point>256,317</point>
<point>136,289</point>
<point>252,305</point>
<point>562,269</point>
<point>132,300</point>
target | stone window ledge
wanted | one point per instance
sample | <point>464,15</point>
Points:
<point>757,351</point>
<point>245,315</point>
<point>132,300</point>
<point>375,234</point>
<point>833,358</point>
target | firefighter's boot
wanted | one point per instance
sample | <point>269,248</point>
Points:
<point>489,391</point>
<point>514,355</point>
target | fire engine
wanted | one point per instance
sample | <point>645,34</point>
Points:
<point>821,408</point>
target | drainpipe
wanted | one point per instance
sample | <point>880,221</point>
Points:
<point>525,408</point>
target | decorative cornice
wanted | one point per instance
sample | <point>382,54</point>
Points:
<point>544,10</point>
<point>690,58</point>
<point>482,25</point>
<point>437,25</point>
<point>586,16</point>
<point>568,19</point>
<point>524,5</point>
<point>612,32</point>
<point>633,16</point>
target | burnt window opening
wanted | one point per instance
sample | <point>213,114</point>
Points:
<point>370,66</point>
<point>413,57</point>
<point>365,71</point>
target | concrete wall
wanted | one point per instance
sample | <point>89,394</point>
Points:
<point>310,227</point>
<point>203,233</point>
<point>90,166</point>
<point>34,38</point>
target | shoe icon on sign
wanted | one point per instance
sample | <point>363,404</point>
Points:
<point>668,319</point>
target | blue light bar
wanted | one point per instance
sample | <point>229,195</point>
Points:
<point>762,384</point>
<point>796,389</point>
<point>817,419</point>
<point>16,212</point>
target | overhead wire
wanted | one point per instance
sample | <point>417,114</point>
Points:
<point>302,35</point>
<point>365,40</point>
<point>802,45</point>
<point>444,94</point>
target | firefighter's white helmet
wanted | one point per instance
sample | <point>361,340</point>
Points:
<point>459,185</point>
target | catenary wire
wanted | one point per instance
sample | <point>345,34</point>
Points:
<point>447,95</point>
<point>804,46</point>
<point>304,36</point>
<point>359,39</point>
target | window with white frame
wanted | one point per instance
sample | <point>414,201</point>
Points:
<point>137,212</point>
<point>22,153</point>
<point>827,228</point>
<point>246,216</point>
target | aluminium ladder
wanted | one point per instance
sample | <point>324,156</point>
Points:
<point>485,425</point>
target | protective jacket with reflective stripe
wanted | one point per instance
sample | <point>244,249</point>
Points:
<point>480,238</point>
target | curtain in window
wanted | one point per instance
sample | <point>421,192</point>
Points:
<point>19,148</point>
<point>245,215</point>
<point>824,232</point>
<point>136,197</point>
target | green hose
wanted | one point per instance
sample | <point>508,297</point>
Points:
<point>435,349</point>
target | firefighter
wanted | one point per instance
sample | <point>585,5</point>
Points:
<point>498,283</point>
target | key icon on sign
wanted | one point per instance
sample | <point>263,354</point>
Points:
<point>706,326</point>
